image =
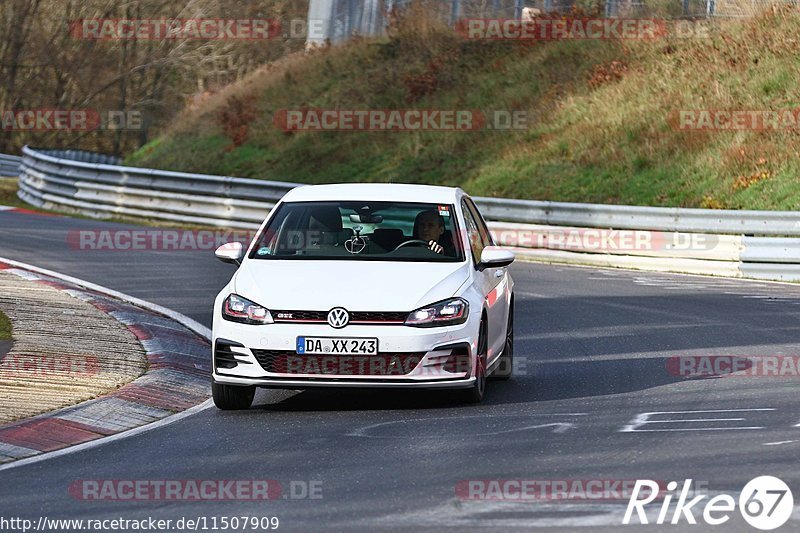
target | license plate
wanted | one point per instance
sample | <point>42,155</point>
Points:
<point>336,346</point>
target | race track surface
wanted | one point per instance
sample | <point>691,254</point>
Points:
<point>593,349</point>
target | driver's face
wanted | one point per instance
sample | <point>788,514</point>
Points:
<point>430,227</point>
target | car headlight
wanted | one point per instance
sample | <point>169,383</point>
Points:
<point>445,313</point>
<point>238,309</point>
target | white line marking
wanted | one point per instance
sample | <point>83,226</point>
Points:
<point>6,208</point>
<point>483,514</point>
<point>531,294</point>
<point>689,429</point>
<point>643,419</point>
<point>182,319</point>
<point>696,420</point>
<point>779,442</point>
<point>560,427</point>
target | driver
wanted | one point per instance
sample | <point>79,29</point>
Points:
<point>429,227</point>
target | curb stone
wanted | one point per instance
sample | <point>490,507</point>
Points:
<point>177,378</point>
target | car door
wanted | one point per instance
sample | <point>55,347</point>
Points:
<point>492,282</point>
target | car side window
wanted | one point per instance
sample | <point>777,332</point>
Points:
<point>483,229</point>
<point>473,233</point>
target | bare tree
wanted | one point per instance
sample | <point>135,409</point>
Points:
<point>45,65</point>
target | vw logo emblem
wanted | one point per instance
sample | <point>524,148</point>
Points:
<point>338,317</point>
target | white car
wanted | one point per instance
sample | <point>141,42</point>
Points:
<point>365,285</point>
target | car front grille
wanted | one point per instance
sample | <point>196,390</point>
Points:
<point>224,357</point>
<point>383,364</point>
<point>356,317</point>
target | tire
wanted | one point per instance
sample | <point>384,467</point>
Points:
<point>505,369</point>
<point>232,397</point>
<point>476,393</point>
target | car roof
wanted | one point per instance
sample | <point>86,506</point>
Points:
<point>386,192</point>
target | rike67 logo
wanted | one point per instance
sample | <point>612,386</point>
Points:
<point>765,503</point>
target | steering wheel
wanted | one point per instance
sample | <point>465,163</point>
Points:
<point>412,242</point>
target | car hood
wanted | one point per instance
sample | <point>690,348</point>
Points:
<point>354,285</point>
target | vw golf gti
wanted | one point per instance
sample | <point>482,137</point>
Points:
<point>365,285</point>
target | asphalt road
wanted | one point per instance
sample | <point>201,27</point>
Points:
<point>592,358</point>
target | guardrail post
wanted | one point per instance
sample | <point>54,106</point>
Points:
<point>710,7</point>
<point>321,11</point>
<point>455,11</point>
<point>520,5</point>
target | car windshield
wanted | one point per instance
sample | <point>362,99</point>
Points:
<point>384,231</point>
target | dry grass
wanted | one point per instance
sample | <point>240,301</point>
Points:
<point>5,328</point>
<point>8,193</point>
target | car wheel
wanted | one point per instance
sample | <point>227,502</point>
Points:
<point>232,397</point>
<point>476,393</point>
<point>505,369</point>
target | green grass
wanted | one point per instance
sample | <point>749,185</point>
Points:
<point>8,193</point>
<point>601,129</point>
<point>5,327</point>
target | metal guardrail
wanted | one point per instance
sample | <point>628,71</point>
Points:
<point>722,221</point>
<point>759,244</point>
<point>9,165</point>
<point>100,189</point>
<point>83,156</point>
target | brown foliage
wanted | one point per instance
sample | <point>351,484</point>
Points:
<point>235,118</point>
<point>423,84</point>
<point>602,74</point>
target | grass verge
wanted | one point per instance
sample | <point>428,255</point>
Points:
<point>601,125</point>
<point>5,327</point>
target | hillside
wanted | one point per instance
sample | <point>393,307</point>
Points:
<point>603,128</point>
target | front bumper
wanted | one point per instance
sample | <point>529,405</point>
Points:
<point>316,382</point>
<point>432,351</point>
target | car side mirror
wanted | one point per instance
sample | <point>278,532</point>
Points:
<point>232,252</point>
<point>495,257</point>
